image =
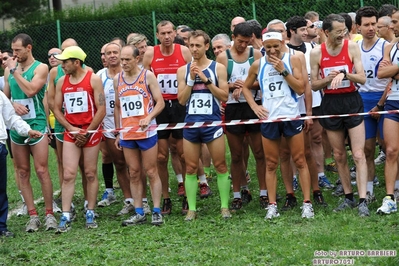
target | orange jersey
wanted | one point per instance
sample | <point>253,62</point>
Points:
<point>136,103</point>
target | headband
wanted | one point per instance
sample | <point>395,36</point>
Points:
<point>272,36</point>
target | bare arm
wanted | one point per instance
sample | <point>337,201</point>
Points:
<point>51,88</point>
<point>294,79</point>
<point>99,101</point>
<point>117,103</point>
<point>157,95</point>
<point>386,69</point>
<point>31,88</point>
<point>148,56</point>
<point>184,90</point>
<point>57,107</point>
<point>316,82</point>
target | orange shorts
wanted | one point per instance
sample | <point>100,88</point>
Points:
<point>93,140</point>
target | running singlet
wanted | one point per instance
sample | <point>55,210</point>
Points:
<point>79,102</point>
<point>371,61</point>
<point>202,105</point>
<point>34,104</point>
<point>339,62</point>
<point>136,103</point>
<point>394,93</point>
<point>277,96</point>
<point>239,71</point>
<point>165,69</point>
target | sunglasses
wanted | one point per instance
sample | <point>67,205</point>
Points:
<point>52,54</point>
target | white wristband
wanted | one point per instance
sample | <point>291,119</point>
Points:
<point>190,82</point>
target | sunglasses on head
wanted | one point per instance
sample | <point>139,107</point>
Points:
<point>52,54</point>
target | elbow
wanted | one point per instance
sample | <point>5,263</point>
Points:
<point>363,80</point>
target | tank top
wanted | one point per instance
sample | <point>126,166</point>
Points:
<point>165,68</point>
<point>109,92</point>
<point>35,103</point>
<point>371,61</point>
<point>338,62</point>
<point>202,105</point>
<point>277,96</point>
<point>79,102</point>
<point>239,71</point>
<point>394,93</point>
<point>136,103</point>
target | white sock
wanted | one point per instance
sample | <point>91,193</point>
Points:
<point>397,184</point>
<point>22,197</point>
<point>129,201</point>
<point>84,204</point>
<point>73,206</point>
<point>202,179</point>
<point>370,187</point>
<point>110,190</point>
<point>237,195</point>
<point>144,200</point>
<point>263,193</point>
<point>67,215</point>
<point>320,174</point>
<point>179,178</point>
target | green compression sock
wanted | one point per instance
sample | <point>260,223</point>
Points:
<point>191,186</point>
<point>224,189</point>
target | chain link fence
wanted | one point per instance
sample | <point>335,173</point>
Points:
<point>92,35</point>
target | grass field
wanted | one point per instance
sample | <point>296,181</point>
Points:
<point>246,239</point>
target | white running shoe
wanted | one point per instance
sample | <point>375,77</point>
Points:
<point>23,210</point>
<point>307,210</point>
<point>271,212</point>
<point>388,206</point>
<point>107,199</point>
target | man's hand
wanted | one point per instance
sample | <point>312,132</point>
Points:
<point>20,109</point>
<point>34,134</point>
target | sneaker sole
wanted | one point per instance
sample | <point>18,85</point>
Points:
<point>91,226</point>
<point>133,224</point>
<point>58,232</point>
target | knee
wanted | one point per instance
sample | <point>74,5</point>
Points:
<point>162,158</point>
<point>285,155</point>
<point>339,156</point>
<point>23,174</point>
<point>391,153</point>
<point>152,173</point>
<point>358,155</point>
<point>191,168</point>
<point>271,164</point>
<point>300,161</point>
<point>220,167</point>
<point>236,157</point>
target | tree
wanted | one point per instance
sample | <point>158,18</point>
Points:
<point>20,8</point>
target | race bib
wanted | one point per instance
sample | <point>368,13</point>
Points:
<point>274,87</point>
<point>345,82</point>
<point>167,83</point>
<point>132,106</point>
<point>201,104</point>
<point>110,101</point>
<point>28,103</point>
<point>76,102</point>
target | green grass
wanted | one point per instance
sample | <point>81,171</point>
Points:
<point>246,239</point>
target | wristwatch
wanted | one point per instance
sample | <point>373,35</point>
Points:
<point>209,81</point>
<point>380,107</point>
<point>343,71</point>
<point>12,70</point>
<point>87,135</point>
<point>284,73</point>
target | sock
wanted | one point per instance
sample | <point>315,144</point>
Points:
<point>73,206</point>
<point>361,200</point>
<point>263,193</point>
<point>397,184</point>
<point>316,192</point>
<point>237,195</point>
<point>32,212</point>
<point>349,196</point>
<point>245,187</point>
<point>320,174</point>
<point>290,195</point>
<point>191,187</point>
<point>22,197</point>
<point>179,178</point>
<point>108,174</point>
<point>224,189</point>
<point>144,200</point>
<point>84,204</point>
<point>207,170</point>
<point>370,187</point>
<point>157,210</point>
<point>202,179</point>
<point>392,196</point>
<point>67,215</point>
<point>50,211</point>
<point>307,201</point>
<point>140,211</point>
<point>328,160</point>
<point>129,201</point>
<point>110,190</point>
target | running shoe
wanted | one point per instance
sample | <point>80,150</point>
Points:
<point>50,222</point>
<point>370,198</point>
<point>205,190</point>
<point>246,196</point>
<point>264,201</point>
<point>363,210</point>
<point>380,158</point>
<point>388,206</point>
<point>55,208</point>
<point>325,183</point>
<point>180,189</point>
<point>225,213</point>
<point>33,224</point>
<point>166,207</point>
<point>107,199</point>
<point>236,204</point>
<point>23,210</point>
<point>156,218</point>
<point>290,202</point>
<point>319,199</point>
<point>127,208</point>
<point>295,184</point>
<point>191,215</point>
<point>136,219</point>
<point>307,210</point>
<point>345,204</point>
<point>146,207</point>
<point>331,167</point>
<point>271,212</point>
<point>64,225</point>
<point>90,220</point>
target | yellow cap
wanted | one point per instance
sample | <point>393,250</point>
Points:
<point>72,52</point>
